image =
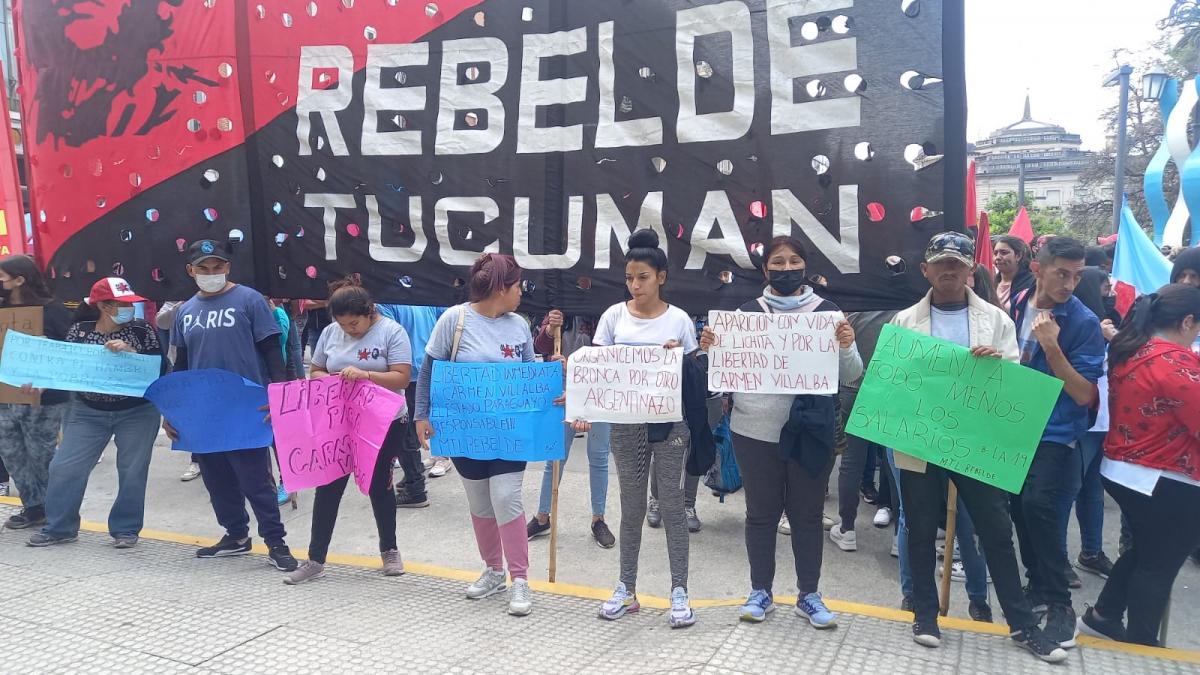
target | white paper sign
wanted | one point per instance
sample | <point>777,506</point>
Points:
<point>763,353</point>
<point>625,384</point>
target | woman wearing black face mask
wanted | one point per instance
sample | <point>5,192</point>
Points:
<point>776,482</point>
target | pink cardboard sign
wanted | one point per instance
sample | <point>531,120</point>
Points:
<point>328,428</point>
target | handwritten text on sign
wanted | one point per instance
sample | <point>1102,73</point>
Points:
<point>980,417</point>
<point>69,366</point>
<point>330,427</point>
<point>497,411</point>
<point>762,353</point>
<point>625,384</point>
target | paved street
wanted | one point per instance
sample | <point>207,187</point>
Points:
<point>86,607</point>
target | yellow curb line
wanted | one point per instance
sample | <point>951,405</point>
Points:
<point>655,602</point>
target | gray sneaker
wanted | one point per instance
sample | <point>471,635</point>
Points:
<point>693,520</point>
<point>653,517</point>
<point>490,582</point>
<point>393,566</point>
<point>40,539</point>
<point>125,541</point>
<point>307,571</point>
<point>520,598</point>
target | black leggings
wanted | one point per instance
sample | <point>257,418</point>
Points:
<point>1165,530</point>
<point>383,500</point>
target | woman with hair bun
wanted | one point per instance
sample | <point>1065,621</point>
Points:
<point>487,330</point>
<point>1151,463</point>
<point>647,319</point>
<point>360,344</point>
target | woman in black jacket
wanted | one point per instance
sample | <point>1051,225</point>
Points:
<point>1012,258</point>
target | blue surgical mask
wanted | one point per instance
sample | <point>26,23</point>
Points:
<point>124,315</point>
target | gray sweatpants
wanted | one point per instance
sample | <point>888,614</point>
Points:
<point>28,438</point>
<point>632,454</point>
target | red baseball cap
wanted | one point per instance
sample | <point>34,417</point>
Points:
<point>113,288</point>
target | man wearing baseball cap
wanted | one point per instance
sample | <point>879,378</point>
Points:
<point>951,311</point>
<point>231,327</point>
<point>92,420</point>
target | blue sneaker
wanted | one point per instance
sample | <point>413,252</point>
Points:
<point>813,608</point>
<point>281,494</point>
<point>757,606</point>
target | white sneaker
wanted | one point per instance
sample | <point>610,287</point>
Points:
<point>785,527</point>
<point>883,517</point>
<point>490,582</point>
<point>520,598</point>
<point>847,541</point>
<point>441,467</point>
<point>427,463</point>
<point>827,522</point>
<point>190,473</point>
<point>957,571</point>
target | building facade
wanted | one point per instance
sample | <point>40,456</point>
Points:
<point>1050,157</point>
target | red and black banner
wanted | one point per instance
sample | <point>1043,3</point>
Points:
<point>400,138</point>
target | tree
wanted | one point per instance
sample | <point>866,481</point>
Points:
<point>1002,211</point>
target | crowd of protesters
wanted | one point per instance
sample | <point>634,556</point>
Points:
<point>1121,426</point>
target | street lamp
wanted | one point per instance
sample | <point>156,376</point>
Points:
<point>1153,84</point>
<point>1120,78</point>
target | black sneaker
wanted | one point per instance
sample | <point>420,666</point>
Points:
<point>281,557</point>
<point>906,604</point>
<point>1034,640</point>
<point>26,518</point>
<point>979,610</point>
<point>1073,580</point>
<point>603,536</point>
<point>1097,564</point>
<point>869,494</point>
<point>226,547</point>
<point>1109,629</point>
<point>404,500</point>
<point>1060,625</point>
<point>537,528</point>
<point>927,634</point>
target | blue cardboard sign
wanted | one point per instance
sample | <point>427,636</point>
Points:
<point>213,410</point>
<point>70,366</point>
<point>497,411</point>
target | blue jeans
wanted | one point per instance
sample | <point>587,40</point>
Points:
<point>974,564</point>
<point>1089,504</point>
<point>597,454</point>
<point>86,432</point>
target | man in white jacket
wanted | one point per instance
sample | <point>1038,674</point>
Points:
<point>952,312</point>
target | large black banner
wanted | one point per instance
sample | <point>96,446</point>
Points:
<point>401,141</point>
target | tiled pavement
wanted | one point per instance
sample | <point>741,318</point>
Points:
<point>87,608</point>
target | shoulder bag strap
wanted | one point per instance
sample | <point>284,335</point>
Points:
<point>458,331</point>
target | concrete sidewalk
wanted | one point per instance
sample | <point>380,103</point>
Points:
<point>88,608</point>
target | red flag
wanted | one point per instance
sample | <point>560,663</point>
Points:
<point>983,244</point>
<point>972,214</point>
<point>12,217</point>
<point>1022,228</point>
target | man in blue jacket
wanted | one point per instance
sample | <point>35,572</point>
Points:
<point>1059,336</point>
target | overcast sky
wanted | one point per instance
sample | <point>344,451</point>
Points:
<point>1059,50</point>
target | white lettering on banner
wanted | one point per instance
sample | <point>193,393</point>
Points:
<point>313,98</point>
<point>764,353</point>
<point>610,226</point>
<point>717,230</point>
<point>733,18</point>
<point>625,384</point>
<point>394,100</point>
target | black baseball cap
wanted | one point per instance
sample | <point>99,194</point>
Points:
<point>207,248</point>
<point>951,245</point>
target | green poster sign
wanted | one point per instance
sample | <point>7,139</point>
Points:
<point>929,398</point>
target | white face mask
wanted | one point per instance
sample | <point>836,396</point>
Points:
<point>210,283</point>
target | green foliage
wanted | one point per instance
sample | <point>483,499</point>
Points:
<point>1002,211</point>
